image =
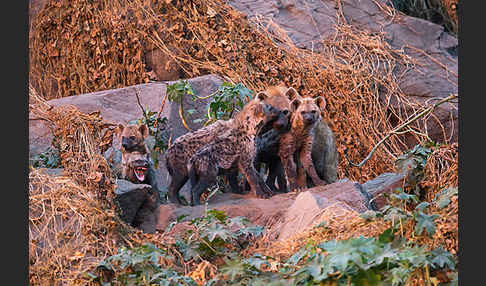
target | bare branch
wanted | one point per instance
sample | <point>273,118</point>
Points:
<point>397,131</point>
<point>139,104</point>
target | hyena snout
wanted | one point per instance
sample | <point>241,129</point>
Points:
<point>309,118</point>
<point>127,142</point>
<point>140,168</point>
<point>282,123</point>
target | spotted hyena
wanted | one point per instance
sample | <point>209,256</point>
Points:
<point>137,165</point>
<point>132,138</point>
<point>185,146</point>
<point>267,143</point>
<point>234,149</point>
<point>296,145</point>
<point>137,169</point>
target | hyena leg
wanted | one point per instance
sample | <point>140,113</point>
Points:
<point>206,177</point>
<point>246,186</point>
<point>176,183</point>
<point>301,174</point>
<point>257,185</point>
<point>281,179</point>
<point>290,169</point>
<point>232,178</point>
<point>306,160</point>
<point>275,173</point>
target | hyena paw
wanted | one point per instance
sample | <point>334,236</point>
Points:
<point>320,182</point>
<point>264,192</point>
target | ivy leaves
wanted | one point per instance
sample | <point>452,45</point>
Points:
<point>227,100</point>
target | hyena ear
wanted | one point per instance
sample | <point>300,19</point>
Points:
<point>295,104</point>
<point>261,96</point>
<point>291,93</point>
<point>143,130</point>
<point>119,129</point>
<point>321,102</point>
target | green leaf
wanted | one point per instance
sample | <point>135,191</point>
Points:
<point>422,206</point>
<point>417,256</point>
<point>188,251</point>
<point>340,253</point>
<point>233,268</point>
<point>220,215</point>
<point>215,230</point>
<point>395,214</point>
<point>443,198</point>
<point>257,261</point>
<point>386,236</point>
<point>425,222</point>
<point>399,276</point>
<point>441,257</point>
<point>406,197</point>
<point>296,257</point>
<point>368,215</point>
<point>382,253</point>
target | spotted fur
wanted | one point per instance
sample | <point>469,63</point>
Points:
<point>234,149</point>
<point>297,144</point>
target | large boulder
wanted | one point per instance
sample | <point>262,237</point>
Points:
<point>382,185</point>
<point>136,205</point>
<point>284,214</point>
<point>309,22</point>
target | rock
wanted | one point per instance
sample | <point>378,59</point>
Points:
<point>54,171</point>
<point>383,184</point>
<point>258,211</point>
<point>308,22</point>
<point>283,214</point>
<point>135,204</point>
<point>121,106</point>
<point>348,192</point>
<point>309,205</point>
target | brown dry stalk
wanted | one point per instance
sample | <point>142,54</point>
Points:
<point>397,130</point>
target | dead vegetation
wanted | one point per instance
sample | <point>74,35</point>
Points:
<point>85,46</point>
<point>104,47</point>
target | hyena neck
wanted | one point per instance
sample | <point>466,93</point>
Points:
<point>299,128</point>
<point>250,125</point>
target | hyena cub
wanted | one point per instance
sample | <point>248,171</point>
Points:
<point>267,143</point>
<point>132,139</point>
<point>137,166</point>
<point>296,145</point>
<point>183,148</point>
<point>233,149</point>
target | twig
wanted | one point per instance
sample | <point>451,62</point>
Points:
<point>160,111</point>
<point>432,59</point>
<point>139,104</point>
<point>183,118</point>
<point>397,130</point>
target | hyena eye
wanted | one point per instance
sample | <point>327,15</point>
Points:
<point>132,137</point>
<point>314,111</point>
<point>285,112</point>
<point>302,112</point>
